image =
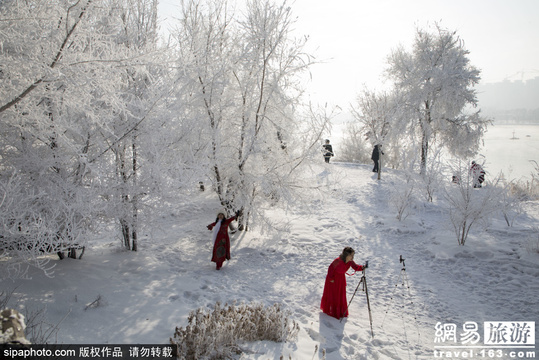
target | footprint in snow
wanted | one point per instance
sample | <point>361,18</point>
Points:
<point>331,349</point>
<point>190,295</point>
<point>328,324</point>
<point>315,335</point>
<point>303,312</point>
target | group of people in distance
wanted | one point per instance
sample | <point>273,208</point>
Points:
<point>476,170</point>
<point>327,152</point>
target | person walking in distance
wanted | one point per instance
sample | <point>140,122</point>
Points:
<point>376,153</point>
<point>327,150</point>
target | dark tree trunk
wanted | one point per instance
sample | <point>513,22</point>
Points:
<point>125,233</point>
<point>124,222</point>
<point>424,153</point>
<point>134,221</point>
<point>425,123</point>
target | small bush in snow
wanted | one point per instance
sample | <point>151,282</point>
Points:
<point>46,219</point>
<point>469,207</point>
<point>510,206</point>
<point>430,182</point>
<point>402,198</point>
<point>216,333</point>
<point>38,329</point>
<point>527,189</point>
<point>5,296</point>
<point>533,243</point>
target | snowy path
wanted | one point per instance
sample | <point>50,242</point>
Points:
<point>446,284</point>
<point>147,294</point>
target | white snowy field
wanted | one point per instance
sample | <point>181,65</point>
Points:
<point>145,295</point>
<point>511,149</point>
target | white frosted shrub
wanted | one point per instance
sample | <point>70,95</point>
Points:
<point>215,333</point>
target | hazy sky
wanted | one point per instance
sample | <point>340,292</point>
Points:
<point>354,37</point>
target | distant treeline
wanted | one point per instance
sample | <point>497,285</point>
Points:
<point>511,102</point>
<point>509,94</point>
<point>514,116</point>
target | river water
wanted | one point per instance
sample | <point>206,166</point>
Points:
<point>511,149</point>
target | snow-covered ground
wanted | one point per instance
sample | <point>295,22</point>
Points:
<point>145,295</point>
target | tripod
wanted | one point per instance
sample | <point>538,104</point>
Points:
<point>404,276</point>
<point>403,280</point>
<point>363,281</point>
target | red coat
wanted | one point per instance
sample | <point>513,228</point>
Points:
<point>221,247</point>
<point>334,301</point>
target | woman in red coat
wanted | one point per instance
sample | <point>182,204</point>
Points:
<point>221,241</point>
<point>334,301</point>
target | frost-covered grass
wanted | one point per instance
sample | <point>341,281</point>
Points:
<point>526,189</point>
<point>217,333</point>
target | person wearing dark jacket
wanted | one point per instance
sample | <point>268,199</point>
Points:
<point>327,150</point>
<point>376,156</point>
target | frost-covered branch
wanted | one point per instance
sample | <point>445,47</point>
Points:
<point>69,33</point>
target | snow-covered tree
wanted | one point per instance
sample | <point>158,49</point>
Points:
<point>378,118</point>
<point>134,30</point>
<point>376,113</point>
<point>436,81</point>
<point>205,57</point>
<point>267,83</point>
<point>51,94</point>
<point>242,72</point>
<point>75,91</point>
<point>354,146</point>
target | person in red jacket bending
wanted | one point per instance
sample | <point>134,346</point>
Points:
<point>220,239</point>
<point>334,301</point>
